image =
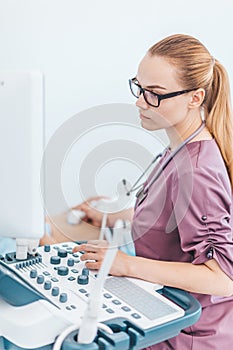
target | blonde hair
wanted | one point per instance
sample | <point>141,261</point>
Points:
<point>198,69</point>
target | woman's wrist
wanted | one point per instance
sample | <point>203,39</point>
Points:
<point>129,266</point>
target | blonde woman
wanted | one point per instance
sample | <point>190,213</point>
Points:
<point>183,221</point>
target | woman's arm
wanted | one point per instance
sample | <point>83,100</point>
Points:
<point>205,278</point>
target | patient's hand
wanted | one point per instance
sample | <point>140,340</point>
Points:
<point>94,216</point>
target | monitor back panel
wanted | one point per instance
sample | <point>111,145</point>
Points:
<point>21,149</point>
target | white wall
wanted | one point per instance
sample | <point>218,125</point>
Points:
<point>88,49</point>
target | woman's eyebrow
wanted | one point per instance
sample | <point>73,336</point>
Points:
<point>156,87</point>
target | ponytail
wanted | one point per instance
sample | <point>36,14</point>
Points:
<point>219,118</point>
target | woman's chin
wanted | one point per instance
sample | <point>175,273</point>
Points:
<point>146,124</point>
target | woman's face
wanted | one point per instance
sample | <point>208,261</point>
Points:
<point>156,74</point>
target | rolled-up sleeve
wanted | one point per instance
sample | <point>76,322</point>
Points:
<point>202,204</point>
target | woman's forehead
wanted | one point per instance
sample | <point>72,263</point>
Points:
<point>157,70</point>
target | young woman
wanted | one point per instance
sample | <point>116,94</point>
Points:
<point>183,221</point>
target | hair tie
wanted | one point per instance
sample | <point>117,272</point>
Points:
<point>213,60</point>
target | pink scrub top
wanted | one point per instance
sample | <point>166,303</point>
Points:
<point>187,216</point>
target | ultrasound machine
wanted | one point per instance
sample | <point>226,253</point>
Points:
<point>48,298</point>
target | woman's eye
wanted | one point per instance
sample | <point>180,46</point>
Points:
<point>154,92</point>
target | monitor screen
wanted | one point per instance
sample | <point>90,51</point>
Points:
<point>21,150</point>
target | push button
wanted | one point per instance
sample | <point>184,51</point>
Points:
<point>47,248</point>
<point>47,285</point>
<point>62,271</point>
<point>63,298</point>
<point>40,279</point>
<point>55,260</point>
<point>55,291</point>
<point>83,279</point>
<point>85,271</point>
<point>33,273</point>
<point>62,253</point>
<point>70,262</point>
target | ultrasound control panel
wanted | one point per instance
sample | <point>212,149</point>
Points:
<point>61,277</point>
<point>49,292</point>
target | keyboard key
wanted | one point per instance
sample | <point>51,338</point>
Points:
<point>126,308</point>
<point>82,290</point>
<point>107,295</point>
<point>54,279</point>
<point>46,273</point>
<point>110,311</point>
<point>71,278</point>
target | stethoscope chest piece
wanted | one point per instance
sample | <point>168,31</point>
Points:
<point>141,195</point>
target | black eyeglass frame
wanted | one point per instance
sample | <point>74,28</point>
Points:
<point>159,97</point>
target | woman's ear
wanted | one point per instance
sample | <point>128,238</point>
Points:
<point>197,98</point>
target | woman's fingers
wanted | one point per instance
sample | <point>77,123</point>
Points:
<point>101,243</point>
<point>91,246</point>
<point>90,256</point>
<point>93,253</point>
<point>93,265</point>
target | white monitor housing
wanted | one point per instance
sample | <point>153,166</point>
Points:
<point>21,150</point>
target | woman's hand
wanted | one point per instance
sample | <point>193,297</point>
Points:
<point>94,252</point>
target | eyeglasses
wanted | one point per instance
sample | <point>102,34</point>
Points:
<point>150,97</point>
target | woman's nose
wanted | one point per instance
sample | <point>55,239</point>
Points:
<point>141,102</point>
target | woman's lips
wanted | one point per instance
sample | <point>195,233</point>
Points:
<point>143,117</point>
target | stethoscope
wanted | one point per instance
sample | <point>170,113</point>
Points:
<point>143,190</point>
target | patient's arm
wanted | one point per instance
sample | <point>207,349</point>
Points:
<point>58,230</point>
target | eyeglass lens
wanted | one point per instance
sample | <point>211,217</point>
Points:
<point>149,97</point>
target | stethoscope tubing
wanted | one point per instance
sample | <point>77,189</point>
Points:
<point>162,166</point>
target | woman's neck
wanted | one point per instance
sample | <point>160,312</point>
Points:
<point>181,132</point>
